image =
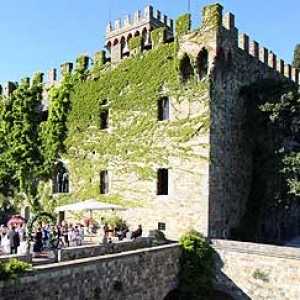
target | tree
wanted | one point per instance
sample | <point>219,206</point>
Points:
<point>20,126</point>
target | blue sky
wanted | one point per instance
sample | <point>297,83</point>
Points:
<point>37,35</point>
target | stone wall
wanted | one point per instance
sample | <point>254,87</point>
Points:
<point>231,173</point>
<point>72,253</point>
<point>243,270</point>
<point>24,258</point>
<point>141,274</point>
<point>257,271</point>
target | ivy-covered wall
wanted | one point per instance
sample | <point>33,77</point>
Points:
<point>136,144</point>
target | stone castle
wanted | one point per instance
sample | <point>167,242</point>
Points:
<point>193,139</point>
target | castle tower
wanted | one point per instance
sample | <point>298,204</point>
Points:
<point>117,36</point>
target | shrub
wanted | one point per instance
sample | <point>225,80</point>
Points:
<point>13,268</point>
<point>197,267</point>
<point>115,222</point>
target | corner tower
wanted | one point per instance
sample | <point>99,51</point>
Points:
<point>118,36</point>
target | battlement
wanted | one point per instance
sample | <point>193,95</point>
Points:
<point>261,53</point>
<point>137,20</point>
<point>118,35</point>
<point>142,24</point>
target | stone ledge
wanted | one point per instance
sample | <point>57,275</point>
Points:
<point>21,257</point>
<point>258,249</point>
<point>103,258</point>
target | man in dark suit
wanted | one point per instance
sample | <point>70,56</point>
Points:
<point>14,240</point>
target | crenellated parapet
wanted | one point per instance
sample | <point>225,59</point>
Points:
<point>259,52</point>
<point>120,32</point>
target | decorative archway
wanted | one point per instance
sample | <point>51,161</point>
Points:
<point>33,220</point>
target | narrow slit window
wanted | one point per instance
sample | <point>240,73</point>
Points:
<point>104,115</point>
<point>104,183</point>
<point>163,109</point>
<point>104,119</point>
<point>162,182</point>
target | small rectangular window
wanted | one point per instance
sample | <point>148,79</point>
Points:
<point>161,226</point>
<point>104,119</point>
<point>162,182</point>
<point>104,183</point>
<point>163,109</point>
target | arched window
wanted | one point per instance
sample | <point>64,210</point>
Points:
<point>145,38</point>
<point>202,64</point>
<point>60,179</point>
<point>129,37</point>
<point>116,42</point>
<point>124,48</point>
<point>186,68</point>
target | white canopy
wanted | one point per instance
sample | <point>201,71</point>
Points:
<point>89,205</point>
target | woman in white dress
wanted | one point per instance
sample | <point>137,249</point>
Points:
<point>5,244</point>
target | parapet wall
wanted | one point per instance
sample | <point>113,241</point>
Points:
<point>257,271</point>
<point>92,250</point>
<point>142,274</point>
<point>259,52</point>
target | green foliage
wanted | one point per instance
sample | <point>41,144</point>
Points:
<point>20,154</point>
<point>54,131</point>
<point>38,218</point>
<point>100,58</point>
<point>115,221</point>
<point>296,62</point>
<point>158,36</point>
<point>274,105</point>
<point>260,275</point>
<point>291,170</point>
<point>197,267</point>
<point>12,269</point>
<point>183,24</point>
<point>284,115</point>
<point>135,43</point>
<point>212,16</point>
<point>135,141</point>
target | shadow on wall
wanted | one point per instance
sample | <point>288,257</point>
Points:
<point>217,295</point>
<point>225,288</point>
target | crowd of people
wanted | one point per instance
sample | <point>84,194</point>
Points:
<point>13,239</point>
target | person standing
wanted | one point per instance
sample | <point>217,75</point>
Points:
<point>14,240</point>
<point>65,232</point>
